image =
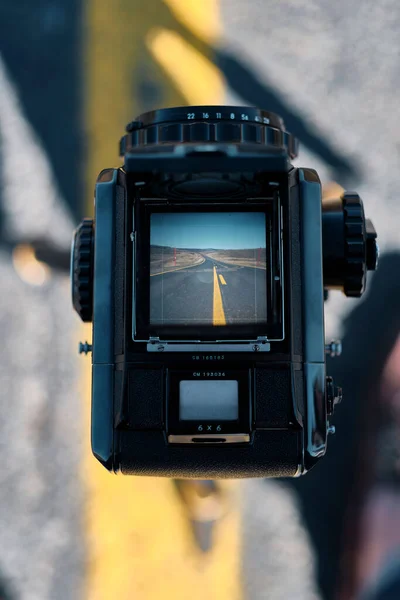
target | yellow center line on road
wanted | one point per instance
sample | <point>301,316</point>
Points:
<point>191,14</point>
<point>137,535</point>
<point>222,279</point>
<point>218,309</point>
<point>185,65</point>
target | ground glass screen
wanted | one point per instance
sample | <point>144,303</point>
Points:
<point>208,269</point>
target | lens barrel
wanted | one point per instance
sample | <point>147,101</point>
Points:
<point>208,125</point>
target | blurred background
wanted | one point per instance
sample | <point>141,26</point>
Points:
<point>72,74</point>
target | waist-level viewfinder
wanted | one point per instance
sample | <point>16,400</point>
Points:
<point>204,272</point>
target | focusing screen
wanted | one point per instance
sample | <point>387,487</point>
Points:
<point>208,268</point>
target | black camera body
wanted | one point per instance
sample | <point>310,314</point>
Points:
<point>204,274</point>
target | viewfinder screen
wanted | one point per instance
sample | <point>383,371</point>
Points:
<point>208,268</point>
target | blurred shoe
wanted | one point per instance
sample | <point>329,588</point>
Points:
<point>205,503</point>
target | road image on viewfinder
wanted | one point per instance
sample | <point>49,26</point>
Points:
<point>208,268</point>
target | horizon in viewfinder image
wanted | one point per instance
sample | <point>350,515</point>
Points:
<point>208,269</point>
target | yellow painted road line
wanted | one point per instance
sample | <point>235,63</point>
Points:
<point>178,269</point>
<point>192,73</point>
<point>218,309</point>
<point>222,279</point>
<point>137,536</point>
<point>191,14</point>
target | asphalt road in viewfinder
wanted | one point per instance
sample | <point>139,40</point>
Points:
<point>213,293</point>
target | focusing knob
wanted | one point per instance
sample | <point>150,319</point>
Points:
<point>349,244</point>
<point>372,246</point>
<point>354,245</point>
<point>82,270</point>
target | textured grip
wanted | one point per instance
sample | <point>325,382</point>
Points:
<point>273,397</point>
<point>146,394</point>
<point>272,454</point>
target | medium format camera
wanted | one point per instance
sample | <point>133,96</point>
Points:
<point>204,272</point>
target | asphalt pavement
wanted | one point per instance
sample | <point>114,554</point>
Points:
<point>334,69</point>
<point>335,66</point>
<point>195,295</point>
<point>184,296</point>
<point>244,293</point>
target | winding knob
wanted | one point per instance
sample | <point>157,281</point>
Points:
<point>372,246</point>
<point>82,255</point>
<point>349,244</point>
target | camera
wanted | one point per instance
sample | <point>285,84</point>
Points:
<point>204,273</point>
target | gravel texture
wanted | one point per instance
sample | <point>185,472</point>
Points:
<point>338,65</point>
<point>41,433</point>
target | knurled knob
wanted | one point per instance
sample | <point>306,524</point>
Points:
<point>82,270</point>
